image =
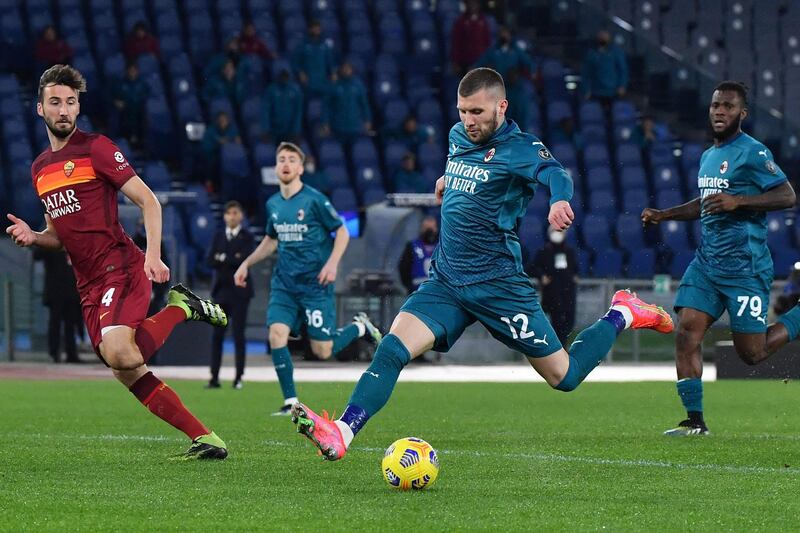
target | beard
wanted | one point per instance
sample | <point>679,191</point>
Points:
<point>487,134</point>
<point>59,133</point>
<point>728,132</point>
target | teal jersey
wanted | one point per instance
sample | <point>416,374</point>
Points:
<point>302,225</point>
<point>735,244</point>
<point>487,191</point>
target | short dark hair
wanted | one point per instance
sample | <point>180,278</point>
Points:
<point>232,204</point>
<point>62,75</point>
<point>291,147</point>
<point>481,78</point>
<point>735,86</point>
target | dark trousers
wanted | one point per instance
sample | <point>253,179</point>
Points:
<point>65,316</point>
<point>236,309</point>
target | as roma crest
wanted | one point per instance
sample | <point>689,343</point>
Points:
<point>69,166</point>
<point>301,215</point>
<point>489,155</point>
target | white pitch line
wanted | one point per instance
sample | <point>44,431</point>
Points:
<point>544,457</point>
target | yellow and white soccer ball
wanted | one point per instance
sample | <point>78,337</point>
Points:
<point>410,463</point>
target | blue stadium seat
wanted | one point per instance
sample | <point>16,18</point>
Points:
<point>783,259</point>
<point>661,154</point>
<point>202,227</point>
<point>666,178</point>
<point>374,196</point>
<point>557,111</point>
<point>603,203</point>
<point>85,63</point>
<point>188,109</point>
<point>19,152</point>
<point>171,45</point>
<point>431,155</point>
<point>337,176</point>
<point>168,24</point>
<point>331,153</point>
<point>157,176</point>
<point>234,162</point>
<point>778,234</point>
<point>15,128</point>
<point>180,67</point>
<point>11,107</point>
<point>690,155</point>
<point>78,42</point>
<point>596,232</point>
<point>368,177</point>
<point>394,113</point>
<point>264,154</point>
<point>591,113</point>
<point>629,232</point>
<point>623,111</point>
<point>633,177</point>
<point>607,263</point>
<point>531,234</point>
<point>634,201</point>
<point>393,34</point>
<point>148,64</point>
<point>599,179</point>
<point>679,262</point>
<point>593,133</point>
<point>393,155</point>
<point>641,264</point>
<point>675,235</point>
<point>13,32</point>
<point>363,153</point>
<point>114,67</point>
<point>565,154</point>
<point>344,199</point>
<point>629,154</point>
<point>132,18</point>
<point>596,155</point>
<point>9,86</point>
<point>429,111</point>
<point>72,22</point>
<point>219,105</point>
<point>668,198</point>
<point>38,21</point>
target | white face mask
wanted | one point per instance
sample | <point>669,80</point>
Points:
<point>310,168</point>
<point>557,237</point>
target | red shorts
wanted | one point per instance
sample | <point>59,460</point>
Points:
<point>119,298</point>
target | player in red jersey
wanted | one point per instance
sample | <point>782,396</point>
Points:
<point>77,180</point>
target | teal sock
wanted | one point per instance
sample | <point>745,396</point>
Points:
<point>791,320</point>
<point>691,392</point>
<point>282,360</point>
<point>588,349</point>
<point>377,382</point>
<point>343,337</point>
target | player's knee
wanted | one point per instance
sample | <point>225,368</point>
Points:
<point>322,351</point>
<point>278,339</point>
<point>750,357</point>
<point>122,358</point>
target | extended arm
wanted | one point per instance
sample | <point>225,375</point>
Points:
<point>141,195</point>
<point>780,197</point>
<point>266,248</point>
<point>22,234</point>
<point>687,211</point>
<point>328,272</point>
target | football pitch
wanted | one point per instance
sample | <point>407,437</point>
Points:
<point>84,455</point>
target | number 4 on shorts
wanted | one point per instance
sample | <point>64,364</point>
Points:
<point>108,296</point>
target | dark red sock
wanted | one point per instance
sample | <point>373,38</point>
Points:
<point>153,332</point>
<point>166,405</point>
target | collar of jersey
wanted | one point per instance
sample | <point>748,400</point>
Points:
<point>509,128</point>
<point>733,140</point>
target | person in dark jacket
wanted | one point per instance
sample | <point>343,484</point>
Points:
<point>416,258</point>
<point>556,267</point>
<point>60,295</point>
<point>230,247</point>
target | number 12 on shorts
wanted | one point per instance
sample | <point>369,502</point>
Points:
<point>754,303</point>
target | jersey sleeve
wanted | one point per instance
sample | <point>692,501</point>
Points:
<point>109,163</point>
<point>539,166</point>
<point>763,171</point>
<point>270,227</point>
<point>328,216</point>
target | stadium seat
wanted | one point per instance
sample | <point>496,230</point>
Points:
<point>394,113</point>
<point>374,196</point>
<point>593,133</point>
<point>264,154</point>
<point>368,177</point>
<point>431,155</point>
<point>778,234</point>
<point>343,199</point>
<point>675,235</point>
<point>393,154</point>
<point>596,233</point>
<point>234,162</point>
<point>565,154</point>
<point>188,109</point>
<point>202,227</point>
<point>603,202</point>
<point>157,176</point>
<point>661,155</point>
<point>629,232</point>
<point>599,179</point>
<point>331,153</point>
<point>558,111</point>
<point>363,153</point>
<point>623,111</point>
<point>607,264</point>
<point>632,178</point>
<point>783,260</point>
<point>596,155</point>
<point>531,234</point>
<point>641,264</point>
<point>591,113</point>
<point>629,154</point>
<point>666,178</point>
<point>668,198</point>
<point>338,177</point>
<point>679,262</point>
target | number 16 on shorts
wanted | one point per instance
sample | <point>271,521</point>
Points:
<point>314,318</point>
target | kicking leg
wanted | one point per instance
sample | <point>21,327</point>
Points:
<point>121,353</point>
<point>409,337</point>
<point>692,327</point>
<point>755,347</point>
<point>565,371</point>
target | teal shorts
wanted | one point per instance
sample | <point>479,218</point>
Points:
<point>745,298</point>
<point>317,309</point>
<point>508,307</point>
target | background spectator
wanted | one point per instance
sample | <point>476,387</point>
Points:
<point>565,132</point>
<point>51,49</point>
<point>217,134</point>
<point>282,109</point>
<point>346,111</point>
<point>225,84</point>
<point>60,295</point>
<point>313,62</point>
<point>605,71</point>
<point>506,56</point>
<point>251,44</point>
<point>140,41</point>
<point>407,178</point>
<point>130,95</point>
<point>416,258</point>
<point>231,52</point>
<point>644,134</point>
<point>519,99</point>
<point>409,133</point>
<point>229,248</point>
<point>470,38</point>
<point>556,267</point>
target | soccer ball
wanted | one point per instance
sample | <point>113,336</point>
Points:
<point>410,463</point>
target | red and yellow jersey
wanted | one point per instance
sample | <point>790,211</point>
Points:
<point>78,187</point>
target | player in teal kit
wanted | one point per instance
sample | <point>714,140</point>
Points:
<point>476,273</point>
<point>300,220</point>
<point>732,270</point>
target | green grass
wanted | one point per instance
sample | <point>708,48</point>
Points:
<point>86,456</point>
